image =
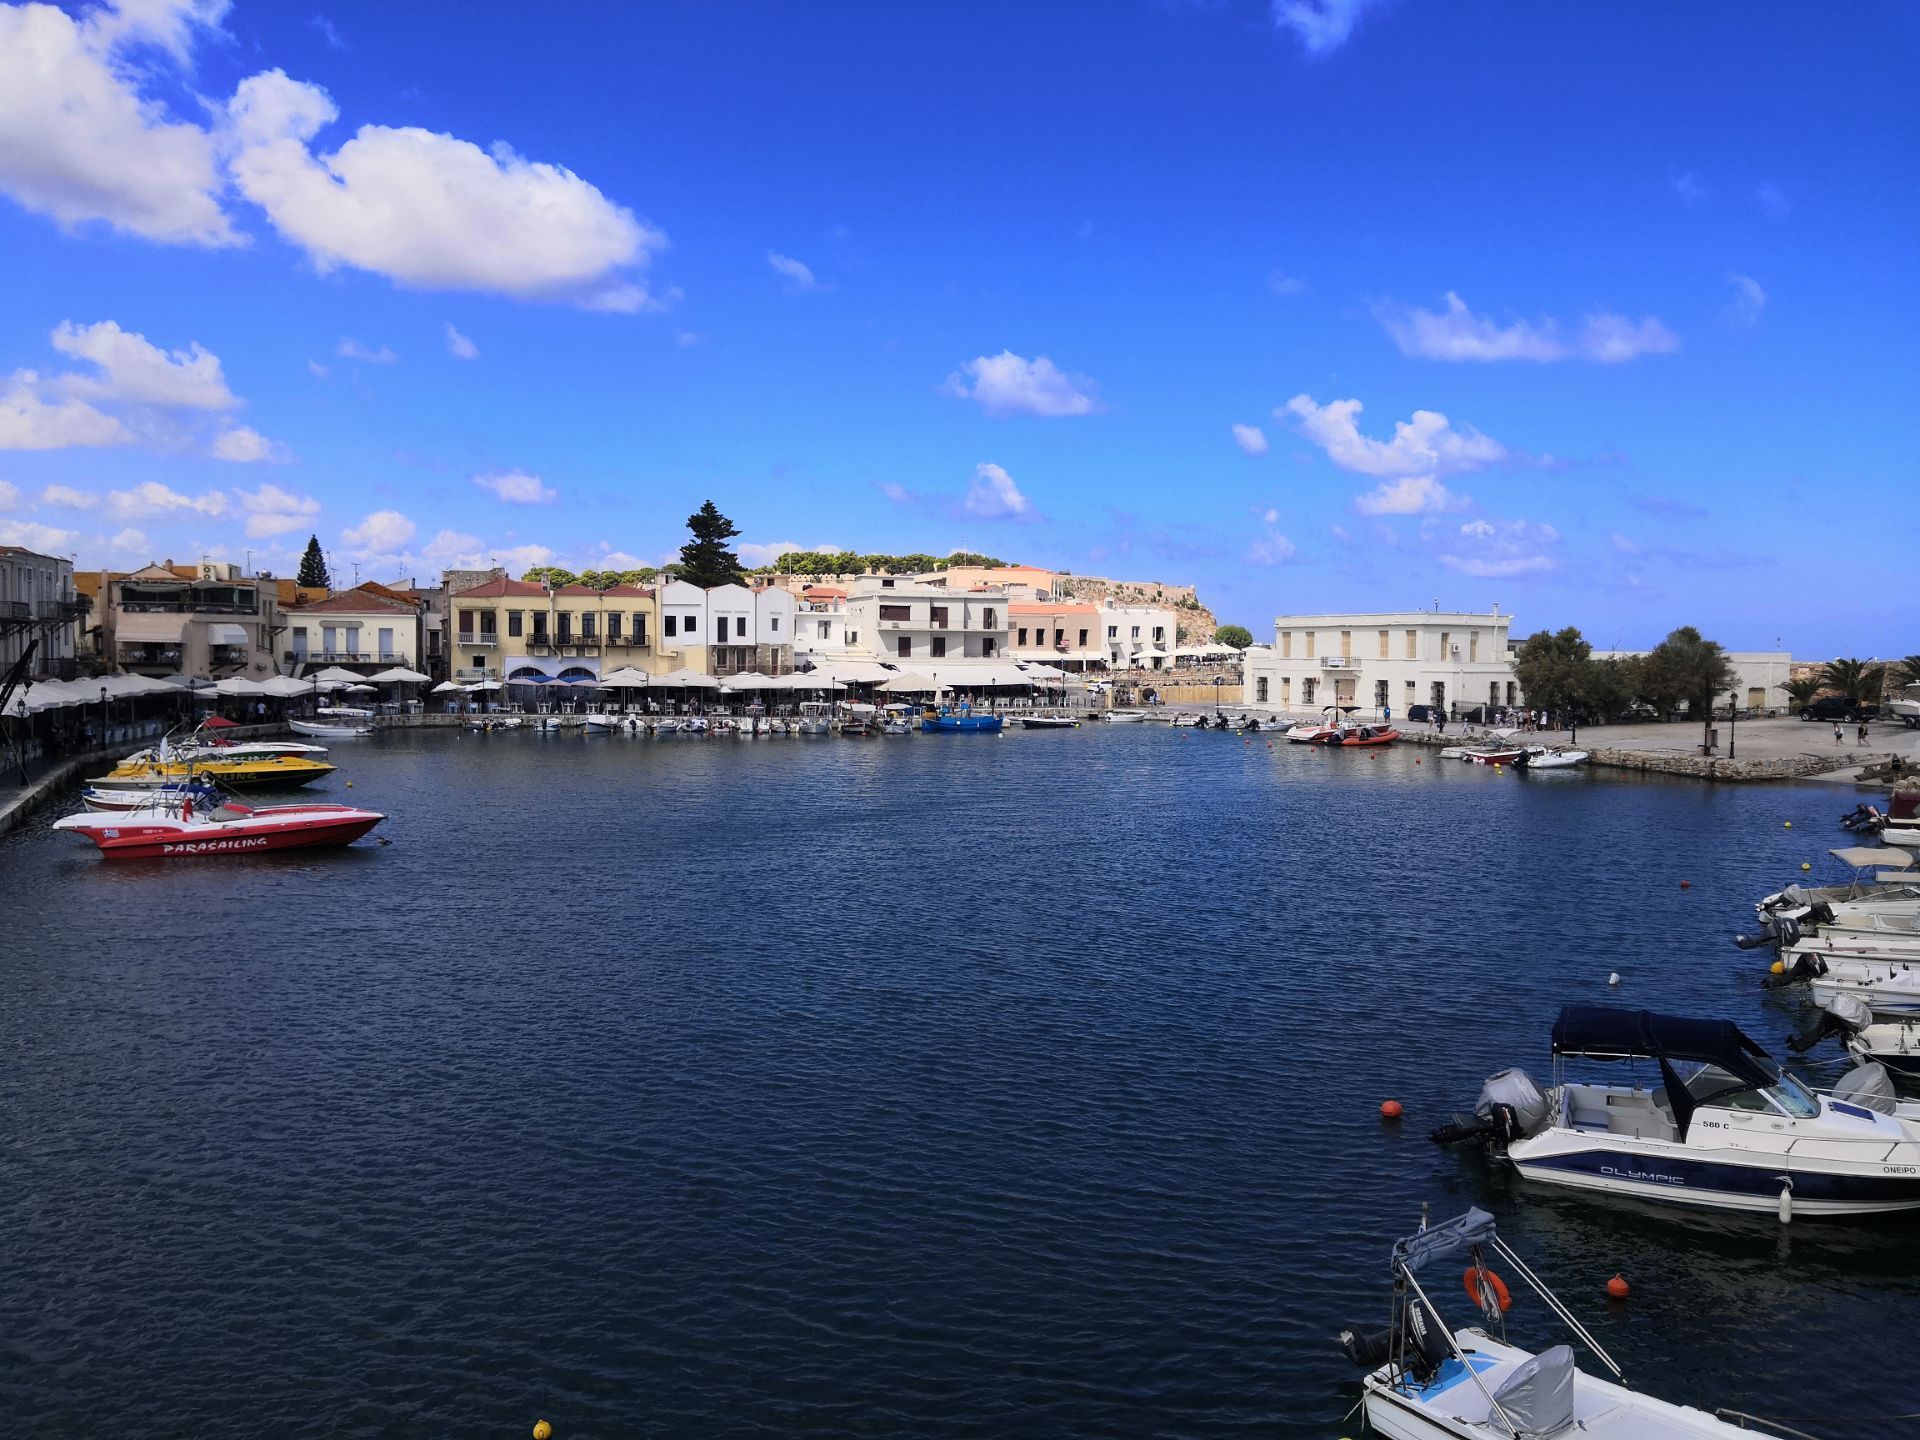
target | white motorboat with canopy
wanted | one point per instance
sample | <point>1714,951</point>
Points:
<point>1428,1382</point>
<point>1726,1127</point>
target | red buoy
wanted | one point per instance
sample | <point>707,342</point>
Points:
<point>1617,1288</point>
<point>1390,1109</point>
<point>1686,884</point>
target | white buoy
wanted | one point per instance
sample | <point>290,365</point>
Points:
<point>1786,1205</point>
<point>1614,978</point>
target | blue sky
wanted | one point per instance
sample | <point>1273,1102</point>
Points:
<point>1604,313</point>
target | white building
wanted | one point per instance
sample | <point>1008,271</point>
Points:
<point>1140,636</point>
<point>1385,661</point>
<point>905,622</point>
<point>727,630</point>
<point>1759,675</point>
<point>37,601</point>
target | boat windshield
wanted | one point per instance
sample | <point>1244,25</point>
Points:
<point>1710,1085</point>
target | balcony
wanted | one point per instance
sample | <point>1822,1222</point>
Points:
<point>485,637</point>
<point>1339,662</point>
<point>15,610</point>
<point>63,609</point>
<point>175,607</point>
<point>134,654</point>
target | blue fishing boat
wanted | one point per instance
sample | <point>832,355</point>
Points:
<point>951,719</point>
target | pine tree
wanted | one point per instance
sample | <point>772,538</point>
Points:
<point>313,567</point>
<point>705,560</point>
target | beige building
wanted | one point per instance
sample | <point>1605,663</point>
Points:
<point>905,621</point>
<point>368,628</point>
<point>218,625</point>
<point>503,628</point>
<point>1062,633</point>
<point>1385,661</point>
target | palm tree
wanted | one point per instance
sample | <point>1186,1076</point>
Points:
<point>1802,691</point>
<point>1858,680</point>
<point>1907,672</point>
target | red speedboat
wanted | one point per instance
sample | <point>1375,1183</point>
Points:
<point>1351,736</point>
<point>1495,757</point>
<point>167,832</point>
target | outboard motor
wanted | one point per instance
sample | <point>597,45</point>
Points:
<point>1843,1015</point>
<point>1868,1086</point>
<point>1510,1108</point>
<point>1805,967</point>
<point>1417,1339</point>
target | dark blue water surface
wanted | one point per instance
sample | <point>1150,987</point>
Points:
<point>943,1086</point>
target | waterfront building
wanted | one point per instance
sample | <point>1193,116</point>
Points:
<point>908,621</point>
<point>728,630</point>
<point>216,624</point>
<point>1137,636</point>
<point>366,629</point>
<point>1388,659</point>
<point>38,602</point>
<point>1063,633</point>
<point>1760,676</point>
<point>503,628</point>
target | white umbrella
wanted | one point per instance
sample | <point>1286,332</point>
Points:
<point>691,678</point>
<point>485,685</point>
<point>361,689</point>
<point>907,685</point>
<point>286,687</point>
<point>447,687</point>
<point>626,678</point>
<point>240,685</point>
<point>335,672</point>
<point>400,675</point>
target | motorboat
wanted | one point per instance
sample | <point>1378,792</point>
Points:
<point>1892,1044</point>
<point>329,730</point>
<point>1540,757</point>
<point>1426,1381</point>
<point>150,769</point>
<point>112,801</point>
<point>1878,874</point>
<point>898,719</point>
<point>495,722</point>
<point>857,719</point>
<point>1186,720</point>
<point>1889,987</point>
<point>1126,717</point>
<point>1049,722</point>
<point>228,829</point>
<point>1726,1128</point>
<point>693,725</point>
<point>816,718</point>
<point>1506,755</point>
<point>960,720</point>
<point>1349,737</point>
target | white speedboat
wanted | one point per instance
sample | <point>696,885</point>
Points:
<point>1426,1381</point>
<point>1126,717</point>
<point>1728,1129</point>
<point>1049,722</point>
<point>1890,1045</point>
<point>1541,758</point>
<point>328,730</point>
<point>816,718</point>
<point>108,800</point>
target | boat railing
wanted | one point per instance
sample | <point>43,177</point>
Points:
<point>1764,1425</point>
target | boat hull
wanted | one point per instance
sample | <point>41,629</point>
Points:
<point>1723,1179</point>
<point>329,732</point>
<point>141,836</point>
<point>233,777</point>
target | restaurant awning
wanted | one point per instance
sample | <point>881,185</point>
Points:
<point>222,633</point>
<point>144,629</point>
<point>908,685</point>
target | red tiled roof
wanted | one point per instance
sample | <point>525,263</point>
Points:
<point>627,592</point>
<point>353,601</point>
<point>824,592</point>
<point>496,589</point>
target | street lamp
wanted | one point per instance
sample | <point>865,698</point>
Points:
<point>1733,713</point>
<point>103,715</point>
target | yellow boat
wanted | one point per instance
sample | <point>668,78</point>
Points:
<point>240,772</point>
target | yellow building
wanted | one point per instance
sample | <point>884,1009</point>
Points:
<point>506,628</point>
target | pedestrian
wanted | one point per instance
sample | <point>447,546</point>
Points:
<point>1863,734</point>
<point>1837,738</point>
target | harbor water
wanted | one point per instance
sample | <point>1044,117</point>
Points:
<point>944,1086</point>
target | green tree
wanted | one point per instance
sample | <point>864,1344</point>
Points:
<point>1907,672</point>
<point>705,560</point>
<point>1610,686</point>
<point>313,567</point>
<point>1687,667</point>
<point>1238,636</point>
<point>1803,691</point>
<point>1859,680</point>
<point>1553,669</point>
<point>607,579</point>
<point>551,575</point>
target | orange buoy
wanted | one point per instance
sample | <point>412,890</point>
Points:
<point>1390,1109</point>
<point>1617,1288</point>
<point>1481,1282</point>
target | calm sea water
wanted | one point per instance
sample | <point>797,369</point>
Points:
<point>944,1086</point>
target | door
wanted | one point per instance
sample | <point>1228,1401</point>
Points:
<point>386,642</point>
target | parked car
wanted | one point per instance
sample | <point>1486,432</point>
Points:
<point>1838,707</point>
<point>1425,714</point>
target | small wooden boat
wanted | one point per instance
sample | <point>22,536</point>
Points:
<point>1493,757</point>
<point>230,829</point>
<point>962,721</point>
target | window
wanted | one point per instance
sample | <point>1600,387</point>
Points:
<point>853,637</point>
<point>669,626</point>
<point>1346,644</point>
<point>1286,644</point>
<point>939,643</point>
<point>1023,635</point>
<point>564,622</point>
<point>937,616</point>
<point>1513,693</point>
<point>487,622</point>
<point>1260,690</point>
<point>1309,635</point>
<point>896,613</point>
<point>1159,634</point>
<point>689,623</point>
<point>1113,632</point>
<point>720,634</point>
<point>386,643</point>
<point>466,624</point>
<point>1446,645</point>
<point>1083,639</point>
<point>587,626</point>
<point>1413,644</point>
<point>613,625</point>
<point>989,622</point>
<point>904,646</point>
<point>1286,691</point>
<point>1383,645</point>
<point>1307,687</point>
<point>1059,637</point>
<point>986,645</point>
<point>539,625</point>
<point>328,638</point>
<point>1380,700</point>
<point>1473,645</point>
<point>1136,633</point>
<point>773,624</point>
<point>1411,692</point>
<point>826,627</point>
<point>639,627</point>
<point>516,622</point>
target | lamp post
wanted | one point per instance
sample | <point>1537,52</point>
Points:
<point>1218,681</point>
<point>103,715</point>
<point>1733,713</point>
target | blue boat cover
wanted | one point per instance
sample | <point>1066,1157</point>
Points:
<point>1601,1032</point>
<point>1444,1241</point>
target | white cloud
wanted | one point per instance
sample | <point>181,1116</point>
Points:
<point>151,500</point>
<point>68,497</point>
<point>801,276</point>
<point>131,540</point>
<point>517,487</point>
<point>352,349</point>
<point>1773,200</point>
<point>899,494</point>
<point>1415,495</point>
<point>1502,551</point>
<point>621,560</point>
<point>131,368</point>
<point>687,339</point>
<point>992,495</point>
<point>1611,339</point>
<point>9,495</point>
<point>1272,548</point>
<point>1624,545</point>
<point>521,558</point>
<point>29,421</point>
<point>244,445</point>
<point>1689,188</point>
<point>1749,300</point>
<point>1281,283</point>
<point>1009,384</point>
<point>460,347</point>
<point>453,550</point>
<point>431,211</point>
<point>1425,445</point>
<point>32,535</point>
<point>1456,333</point>
<point>381,534</point>
<point>1250,438</point>
<point>1321,25</point>
<point>272,511</point>
<point>79,142</point>
<point>317,370</point>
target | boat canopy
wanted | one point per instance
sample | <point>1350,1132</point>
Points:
<point>1601,1032</point>
<point>1445,1241</point>
<point>1861,857</point>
